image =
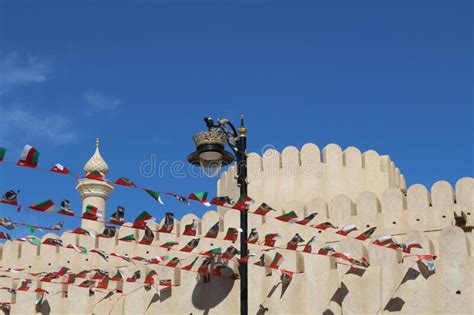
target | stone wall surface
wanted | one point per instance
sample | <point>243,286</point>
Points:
<point>344,187</point>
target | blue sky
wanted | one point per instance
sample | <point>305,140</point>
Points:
<point>393,76</point>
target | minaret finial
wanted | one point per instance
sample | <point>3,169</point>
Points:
<point>97,141</point>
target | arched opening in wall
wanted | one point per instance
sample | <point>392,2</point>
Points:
<point>299,262</point>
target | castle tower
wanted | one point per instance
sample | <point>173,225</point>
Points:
<point>94,192</point>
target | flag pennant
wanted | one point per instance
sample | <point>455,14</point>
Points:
<point>122,257</point>
<point>243,203</point>
<point>59,168</point>
<point>77,248</point>
<point>166,282</point>
<point>245,260</point>
<point>173,262</point>
<point>65,210</point>
<point>307,219</point>
<point>286,275</point>
<point>367,234</point>
<point>117,277</point>
<point>33,229</point>
<point>326,250</point>
<point>82,231</point>
<point>87,284</point>
<point>117,217</point>
<point>253,237</point>
<point>324,226</point>
<point>45,206</point>
<point>190,266</point>
<point>7,223</point>
<point>383,241</point>
<point>261,261</point>
<point>289,217</point>
<point>217,270</point>
<point>99,274</point>
<point>101,253</point>
<point>148,237</point>
<point>230,253</point>
<point>168,225</point>
<point>149,277</point>
<point>263,209</point>
<point>128,238</point>
<point>32,240</point>
<point>347,229</point>
<point>192,244</point>
<point>142,220</point>
<point>159,259</point>
<point>103,284</point>
<point>427,268</point>
<point>25,285</point>
<point>201,197</point>
<point>181,199</point>
<point>221,201</point>
<point>96,175</point>
<point>58,226</point>
<point>191,229</point>
<point>204,268</point>
<point>213,231</point>
<point>271,238</point>
<point>407,247</point>
<point>155,195</point>
<point>293,243</point>
<point>53,242</point>
<point>276,262</point>
<point>83,274</point>
<point>10,197</point>
<point>232,234</point>
<point>123,181</point>
<point>5,236</point>
<point>109,232</point>
<point>308,247</point>
<point>29,157</point>
<point>169,244</point>
<point>2,153</point>
<point>92,213</point>
<point>213,252</point>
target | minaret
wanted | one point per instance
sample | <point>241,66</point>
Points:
<point>94,192</point>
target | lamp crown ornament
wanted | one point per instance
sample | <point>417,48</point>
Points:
<point>212,136</point>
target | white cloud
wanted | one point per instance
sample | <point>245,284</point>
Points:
<point>17,70</point>
<point>18,122</point>
<point>97,102</point>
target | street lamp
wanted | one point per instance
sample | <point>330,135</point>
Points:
<point>211,155</point>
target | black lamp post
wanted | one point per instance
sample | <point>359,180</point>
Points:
<point>211,155</point>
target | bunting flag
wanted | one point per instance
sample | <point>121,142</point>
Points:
<point>169,244</point>
<point>213,252</point>
<point>426,265</point>
<point>100,274</point>
<point>30,239</point>
<point>103,284</point>
<point>65,210</point>
<point>117,217</point>
<point>159,259</point>
<point>87,284</point>
<point>53,242</point>
<point>5,236</point>
<point>149,277</point>
<point>40,299</point>
<point>70,279</point>
<point>148,237</point>
<point>221,201</point>
<point>96,175</point>
<point>181,198</point>
<point>204,268</point>
<point>7,223</point>
<point>128,238</point>
<point>261,261</point>
<point>91,213</point>
<point>346,230</point>
<point>383,241</point>
<point>253,237</point>
<point>82,231</point>
<point>308,247</point>
<point>201,197</point>
<point>123,181</point>
<point>271,238</point>
<point>324,226</point>
<point>230,253</point>
<point>190,266</point>
<point>213,231</point>
<point>77,248</point>
<point>276,262</point>
<point>326,250</point>
<point>142,220</point>
<point>25,285</point>
<point>243,203</point>
<point>362,262</point>
<point>173,262</point>
<point>10,197</point>
<point>217,270</point>
<point>289,217</point>
<point>109,232</point>
<point>192,244</point>
<point>286,275</point>
<point>33,229</point>
<point>29,157</point>
<point>122,257</point>
<point>263,209</point>
<point>168,225</point>
<point>117,276</point>
<point>101,253</point>
<point>58,226</point>
<point>293,243</point>
<point>407,247</point>
<point>59,168</point>
<point>45,206</point>
<point>307,219</point>
<point>191,229</point>
<point>367,234</point>
<point>83,274</point>
<point>245,260</point>
<point>155,195</point>
<point>232,234</point>
<point>2,153</point>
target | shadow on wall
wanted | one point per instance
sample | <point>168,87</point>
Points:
<point>209,295</point>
